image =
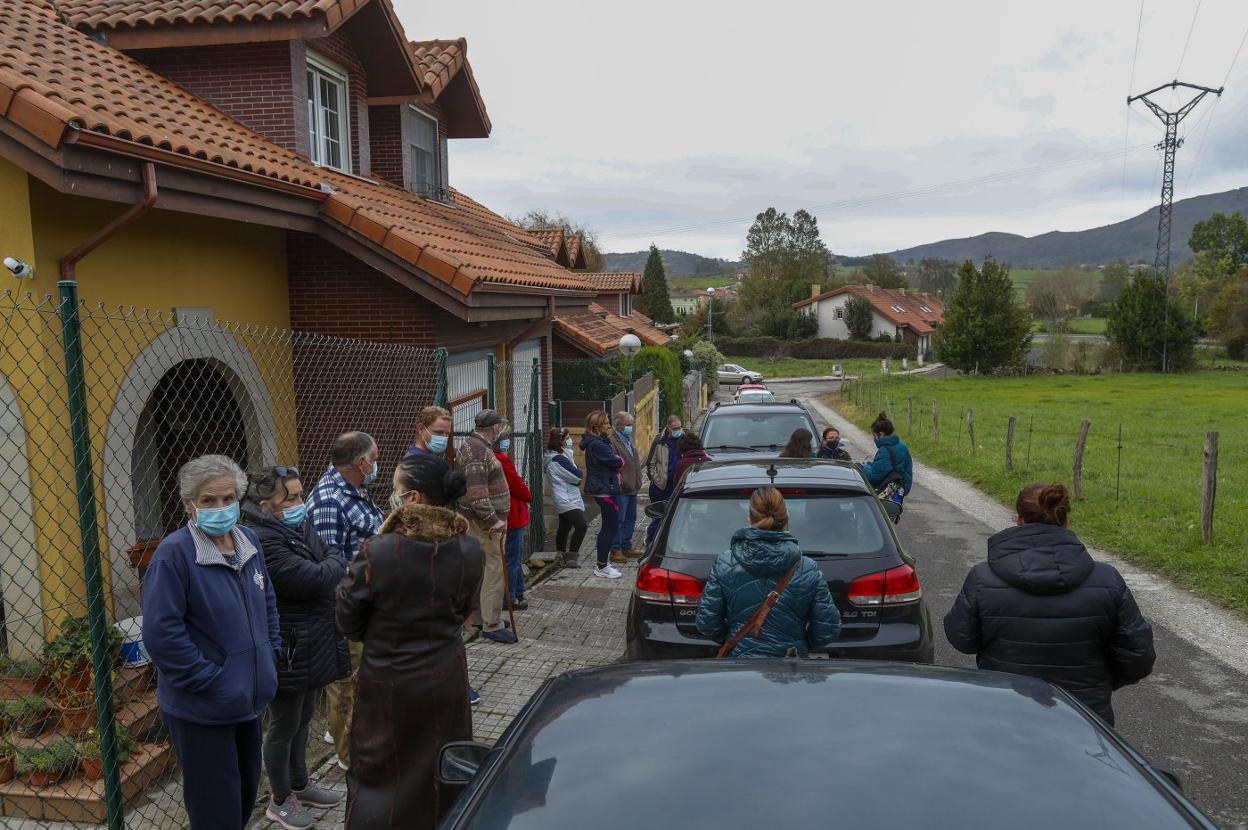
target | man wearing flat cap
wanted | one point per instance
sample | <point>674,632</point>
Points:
<point>485,506</point>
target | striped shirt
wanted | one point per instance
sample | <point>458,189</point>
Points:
<point>207,552</point>
<point>343,515</point>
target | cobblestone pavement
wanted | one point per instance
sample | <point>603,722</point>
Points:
<point>575,620</point>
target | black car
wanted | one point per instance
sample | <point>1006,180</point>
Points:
<point>761,744</point>
<point>839,523</point>
<point>753,430</point>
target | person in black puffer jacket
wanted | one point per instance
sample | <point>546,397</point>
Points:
<point>1041,606</point>
<point>305,577</point>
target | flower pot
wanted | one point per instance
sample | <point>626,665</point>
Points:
<point>39,780</point>
<point>93,768</point>
<point>140,555</point>
<point>6,769</point>
<point>76,719</point>
<point>35,727</point>
<point>14,688</point>
<point>79,680</point>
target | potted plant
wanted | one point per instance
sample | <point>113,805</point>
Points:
<point>29,716</point>
<point>18,677</point>
<point>77,711</point>
<point>91,755</point>
<point>7,751</point>
<point>68,655</point>
<point>41,766</point>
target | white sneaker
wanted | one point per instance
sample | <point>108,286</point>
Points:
<point>607,572</point>
<point>329,739</point>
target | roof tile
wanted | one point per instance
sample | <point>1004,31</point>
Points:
<point>599,330</point>
<point>901,307</point>
<point>114,14</point>
<point>620,281</point>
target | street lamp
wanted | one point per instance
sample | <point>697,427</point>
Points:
<point>630,344</point>
<point>710,313</point>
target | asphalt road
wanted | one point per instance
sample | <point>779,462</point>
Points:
<point>1190,716</point>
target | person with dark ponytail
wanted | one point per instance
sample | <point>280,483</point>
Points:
<point>406,596</point>
<point>891,472</point>
<point>1041,606</point>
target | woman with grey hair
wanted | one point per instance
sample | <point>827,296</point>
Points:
<point>210,627</point>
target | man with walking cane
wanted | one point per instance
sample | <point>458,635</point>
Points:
<point>485,505</point>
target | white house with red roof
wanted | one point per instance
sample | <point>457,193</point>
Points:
<point>913,315</point>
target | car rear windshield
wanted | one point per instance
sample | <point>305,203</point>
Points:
<point>756,397</point>
<point>757,430</point>
<point>825,524</point>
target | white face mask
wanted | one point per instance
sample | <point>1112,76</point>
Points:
<point>567,445</point>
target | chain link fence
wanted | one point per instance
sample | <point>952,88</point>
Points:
<point>98,410</point>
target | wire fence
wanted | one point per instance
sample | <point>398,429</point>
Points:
<point>98,410</point>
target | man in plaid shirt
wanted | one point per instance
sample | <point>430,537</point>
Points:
<point>344,516</point>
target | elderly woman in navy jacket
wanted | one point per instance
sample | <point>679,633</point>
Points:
<point>210,626</point>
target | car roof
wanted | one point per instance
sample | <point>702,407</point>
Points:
<point>755,408</point>
<point>790,472</point>
<point>791,743</point>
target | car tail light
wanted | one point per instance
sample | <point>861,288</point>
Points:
<point>895,586</point>
<point>661,585</point>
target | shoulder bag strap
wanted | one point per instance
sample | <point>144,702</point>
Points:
<point>755,624</point>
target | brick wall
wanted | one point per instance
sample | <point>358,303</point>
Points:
<point>564,350</point>
<point>263,85</point>
<point>385,137</point>
<point>339,49</point>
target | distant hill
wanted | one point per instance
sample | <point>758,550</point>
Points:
<point>1132,240</point>
<point>676,263</point>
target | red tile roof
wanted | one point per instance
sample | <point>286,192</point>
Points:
<point>614,281</point>
<point>113,14</point>
<point>576,250</point>
<point>553,239</point>
<point>439,63</point>
<point>599,331</point>
<point>901,307</point>
<point>61,86</point>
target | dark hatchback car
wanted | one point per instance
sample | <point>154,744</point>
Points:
<point>753,430</point>
<point>839,524</point>
<point>760,744</point>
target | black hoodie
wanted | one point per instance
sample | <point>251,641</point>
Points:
<point>1041,606</point>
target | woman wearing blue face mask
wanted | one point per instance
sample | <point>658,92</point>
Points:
<point>210,626</point>
<point>305,577</point>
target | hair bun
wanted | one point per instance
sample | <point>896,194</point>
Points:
<point>454,486</point>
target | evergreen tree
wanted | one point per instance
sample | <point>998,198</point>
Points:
<point>655,302</point>
<point>1139,327</point>
<point>985,327</point>
<point>858,318</point>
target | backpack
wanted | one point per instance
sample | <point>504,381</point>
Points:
<point>892,490</point>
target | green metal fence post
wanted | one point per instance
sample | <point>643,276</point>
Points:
<point>439,394</point>
<point>490,372</point>
<point>101,658</point>
<point>537,520</point>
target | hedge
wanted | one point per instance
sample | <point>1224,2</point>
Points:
<point>820,348</point>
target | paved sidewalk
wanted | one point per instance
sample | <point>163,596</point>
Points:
<point>575,620</point>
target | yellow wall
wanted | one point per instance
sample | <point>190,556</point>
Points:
<point>163,261</point>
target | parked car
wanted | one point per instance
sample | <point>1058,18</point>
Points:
<point>753,430</point>
<point>839,523</point>
<point>753,393</point>
<point>734,373</point>
<point>750,744</point>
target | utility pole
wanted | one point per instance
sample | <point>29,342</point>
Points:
<point>1169,145</point>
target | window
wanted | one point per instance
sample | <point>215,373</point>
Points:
<point>759,431</point>
<point>423,148</point>
<point>327,115</point>
<point>898,309</point>
<point>840,312</point>
<point>824,525</point>
<point>626,305</point>
<point>925,308</point>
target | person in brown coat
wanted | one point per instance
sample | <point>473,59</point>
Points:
<point>630,485</point>
<point>406,596</point>
<point>486,505</point>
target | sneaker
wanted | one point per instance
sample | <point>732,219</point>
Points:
<point>329,739</point>
<point>290,814</point>
<point>316,797</point>
<point>520,604</point>
<point>502,636</point>
<point>342,766</point>
<point>474,697</point>
<point>633,553</point>
<point>607,572</point>
<point>618,556</point>
<point>571,560</point>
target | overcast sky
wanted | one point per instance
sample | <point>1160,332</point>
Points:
<point>678,121</point>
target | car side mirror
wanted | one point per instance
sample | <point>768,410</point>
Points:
<point>656,510</point>
<point>1172,777</point>
<point>458,762</point>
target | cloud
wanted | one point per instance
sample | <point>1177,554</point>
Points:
<point>1039,103</point>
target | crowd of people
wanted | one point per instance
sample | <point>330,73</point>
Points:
<point>271,594</point>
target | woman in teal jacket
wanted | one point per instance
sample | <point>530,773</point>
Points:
<point>890,455</point>
<point>804,618</point>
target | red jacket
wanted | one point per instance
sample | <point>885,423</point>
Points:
<point>687,460</point>
<point>518,516</point>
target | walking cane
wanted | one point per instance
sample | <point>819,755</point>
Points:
<point>511,611</point>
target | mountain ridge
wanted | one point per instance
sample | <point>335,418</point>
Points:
<point>675,263</point>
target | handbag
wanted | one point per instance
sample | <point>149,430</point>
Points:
<point>754,625</point>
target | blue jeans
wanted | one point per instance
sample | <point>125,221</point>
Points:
<point>628,522</point>
<point>514,546</point>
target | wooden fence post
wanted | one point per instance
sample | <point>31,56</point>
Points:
<point>1210,489</point>
<point>970,428</point>
<point>909,417</point>
<point>1009,445</point>
<point>1079,448</point>
<point>935,423</point>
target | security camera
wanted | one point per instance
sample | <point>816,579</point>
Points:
<point>18,268</point>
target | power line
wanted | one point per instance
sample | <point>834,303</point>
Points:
<point>880,198</point>
<point>1126,133</point>
<point>1214,109</point>
<point>1187,42</point>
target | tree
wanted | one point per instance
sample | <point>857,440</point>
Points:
<point>1222,237</point>
<point>783,258</point>
<point>882,270</point>
<point>538,219</point>
<point>937,276</point>
<point>858,318</point>
<point>1114,278</point>
<point>1139,327</point>
<point>1056,296</point>
<point>655,302</point>
<point>1228,314</point>
<point>985,327</point>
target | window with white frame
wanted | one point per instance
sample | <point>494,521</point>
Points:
<point>626,304</point>
<point>925,308</point>
<point>328,123</point>
<point>898,309</point>
<point>840,312</point>
<point>423,148</point>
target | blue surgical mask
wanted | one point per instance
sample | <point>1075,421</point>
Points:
<point>567,445</point>
<point>678,433</point>
<point>504,444</point>
<point>371,475</point>
<point>628,430</point>
<point>438,443</point>
<point>216,521</point>
<point>293,516</point>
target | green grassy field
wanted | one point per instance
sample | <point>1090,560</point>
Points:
<point>1155,518</point>
<point>791,367</point>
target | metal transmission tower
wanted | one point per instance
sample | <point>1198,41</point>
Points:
<point>1169,145</point>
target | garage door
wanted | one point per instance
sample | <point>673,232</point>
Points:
<point>467,385</point>
<point>522,382</point>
